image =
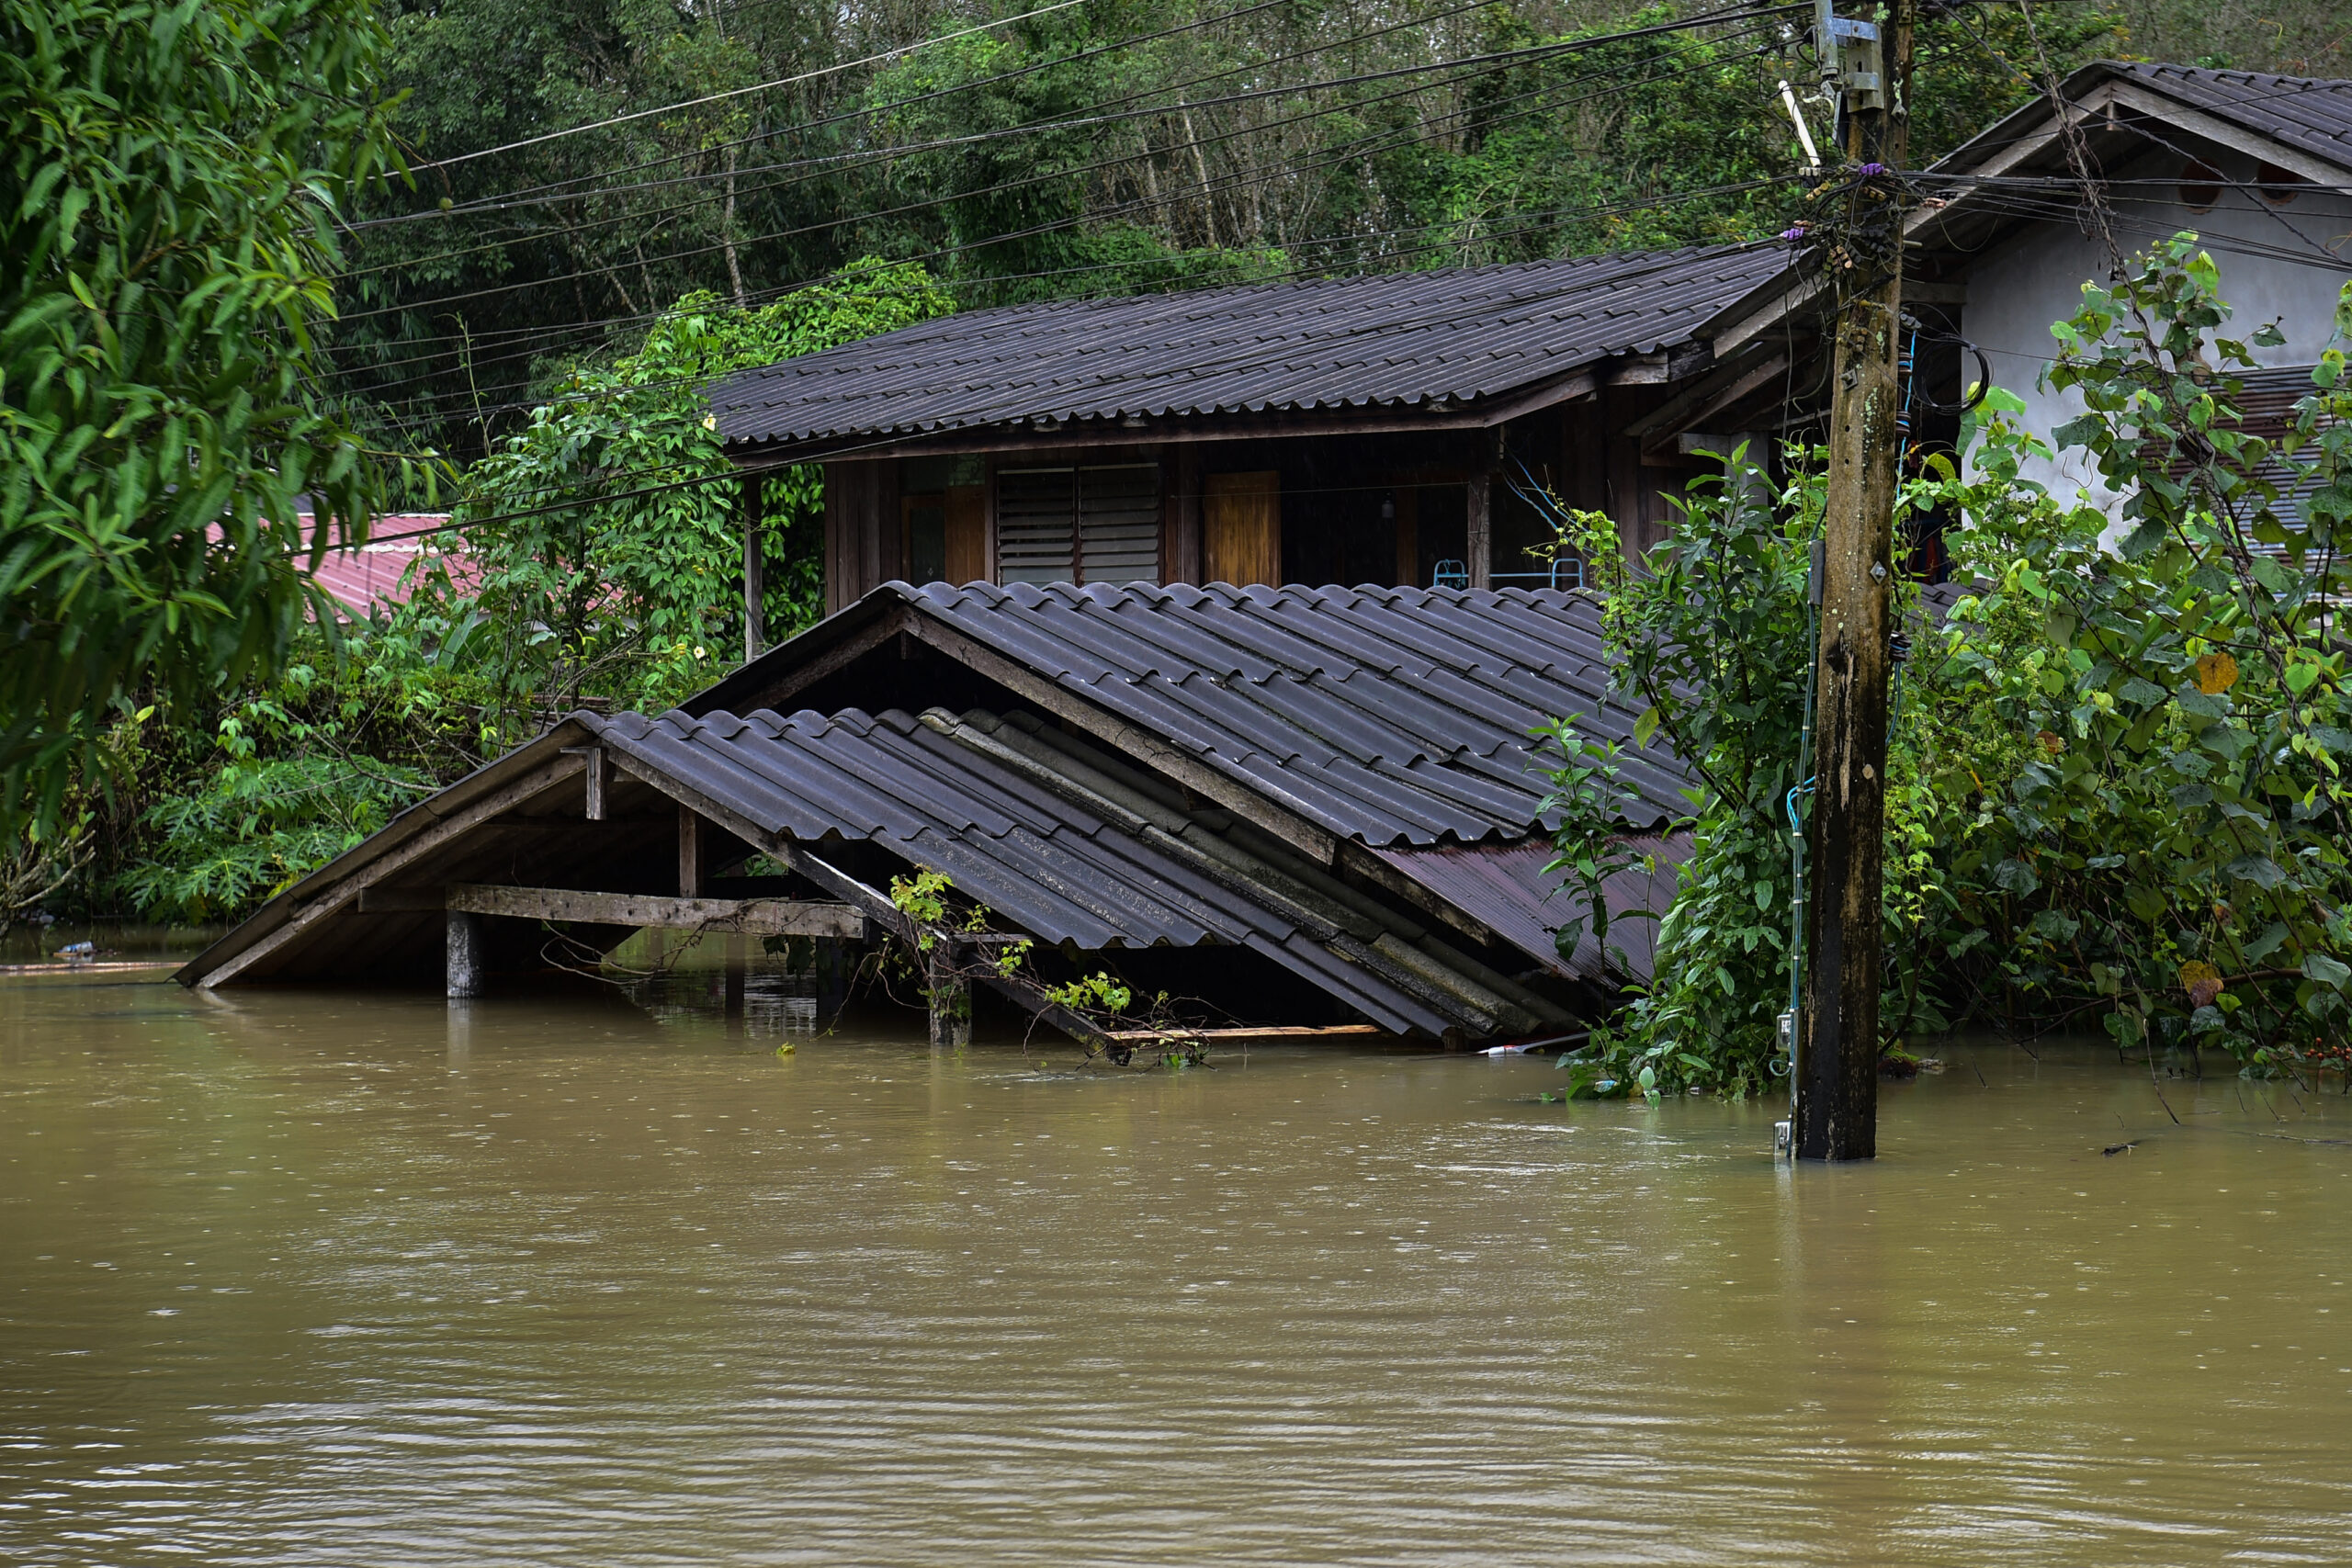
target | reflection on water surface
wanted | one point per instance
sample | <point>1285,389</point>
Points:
<point>344,1280</point>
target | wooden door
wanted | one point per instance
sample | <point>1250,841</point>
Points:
<point>968,534</point>
<point>1241,528</point>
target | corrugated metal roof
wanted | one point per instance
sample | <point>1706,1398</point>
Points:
<point>1392,716</point>
<point>1395,339</point>
<point>1506,887</point>
<point>2311,113</point>
<point>1065,843</point>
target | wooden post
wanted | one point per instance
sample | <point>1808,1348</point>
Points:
<point>738,967</point>
<point>755,631</point>
<point>1478,544</point>
<point>464,955</point>
<point>950,995</point>
<point>592,778</point>
<point>1837,1044</point>
<point>1409,537</point>
<point>1180,537</point>
<point>689,854</point>
<point>832,977</point>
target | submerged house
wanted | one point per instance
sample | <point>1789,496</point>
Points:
<point>1312,806</point>
<point>1059,668</point>
<point>1304,808</point>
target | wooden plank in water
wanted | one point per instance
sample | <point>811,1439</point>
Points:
<point>1287,1031</point>
<point>746,917</point>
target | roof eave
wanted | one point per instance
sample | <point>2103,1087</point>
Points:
<point>420,818</point>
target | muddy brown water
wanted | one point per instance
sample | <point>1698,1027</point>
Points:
<point>354,1279</point>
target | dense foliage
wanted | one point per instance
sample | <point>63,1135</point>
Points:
<point>2116,773</point>
<point>1108,146</point>
<point>2171,852</point>
<point>168,200</point>
<point>602,561</point>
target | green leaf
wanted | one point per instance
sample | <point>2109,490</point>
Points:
<point>2260,870</point>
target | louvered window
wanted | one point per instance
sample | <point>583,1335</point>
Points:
<point>1097,525</point>
<point>2265,404</point>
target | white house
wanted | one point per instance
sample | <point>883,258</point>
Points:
<point>2258,167</point>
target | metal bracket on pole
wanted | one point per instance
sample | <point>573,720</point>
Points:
<point>1862,66</point>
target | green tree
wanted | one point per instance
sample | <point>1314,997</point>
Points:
<point>2144,792</point>
<point>606,547</point>
<point>168,202</point>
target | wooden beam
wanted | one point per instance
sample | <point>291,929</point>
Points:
<point>400,901</point>
<point>1478,530</point>
<point>1762,376</point>
<point>736,917</point>
<point>592,777</point>
<point>875,906</point>
<point>1677,410</point>
<point>689,852</point>
<point>2176,116</point>
<point>1287,1031</point>
<point>791,682</point>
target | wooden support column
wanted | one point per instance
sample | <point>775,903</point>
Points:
<point>1479,548</point>
<point>689,852</point>
<point>756,529</point>
<point>950,996</point>
<point>834,966</point>
<point>1180,550</point>
<point>1407,501</point>
<point>738,969</point>
<point>593,774</point>
<point>464,954</point>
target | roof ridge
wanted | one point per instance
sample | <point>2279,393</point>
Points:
<point>2221,72</point>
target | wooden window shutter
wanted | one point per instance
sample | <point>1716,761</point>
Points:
<point>1241,528</point>
<point>1036,525</point>
<point>1118,523</point>
<point>1098,524</point>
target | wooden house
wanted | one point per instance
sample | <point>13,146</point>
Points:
<point>1386,430</point>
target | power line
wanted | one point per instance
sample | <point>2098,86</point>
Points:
<point>1377,142</point>
<point>1530,221</point>
<point>1438,313</point>
<point>867,156</point>
<point>1342,155</point>
<point>489,203</point>
<point>1512,56</point>
<point>739,92</point>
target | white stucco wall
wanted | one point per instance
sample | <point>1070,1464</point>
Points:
<point>2036,277</point>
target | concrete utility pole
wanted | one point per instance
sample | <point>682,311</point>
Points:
<point>1837,1044</point>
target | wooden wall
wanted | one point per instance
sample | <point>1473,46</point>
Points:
<point>862,529</point>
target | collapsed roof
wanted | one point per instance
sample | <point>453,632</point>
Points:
<point>1385,715</point>
<point>1332,780</point>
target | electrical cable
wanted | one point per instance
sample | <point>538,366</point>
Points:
<point>555,190</point>
<point>1343,154</point>
<point>1512,56</point>
<point>740,92</point>
<point>1438,313</point>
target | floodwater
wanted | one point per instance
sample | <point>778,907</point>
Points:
<point>353,1280</point>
